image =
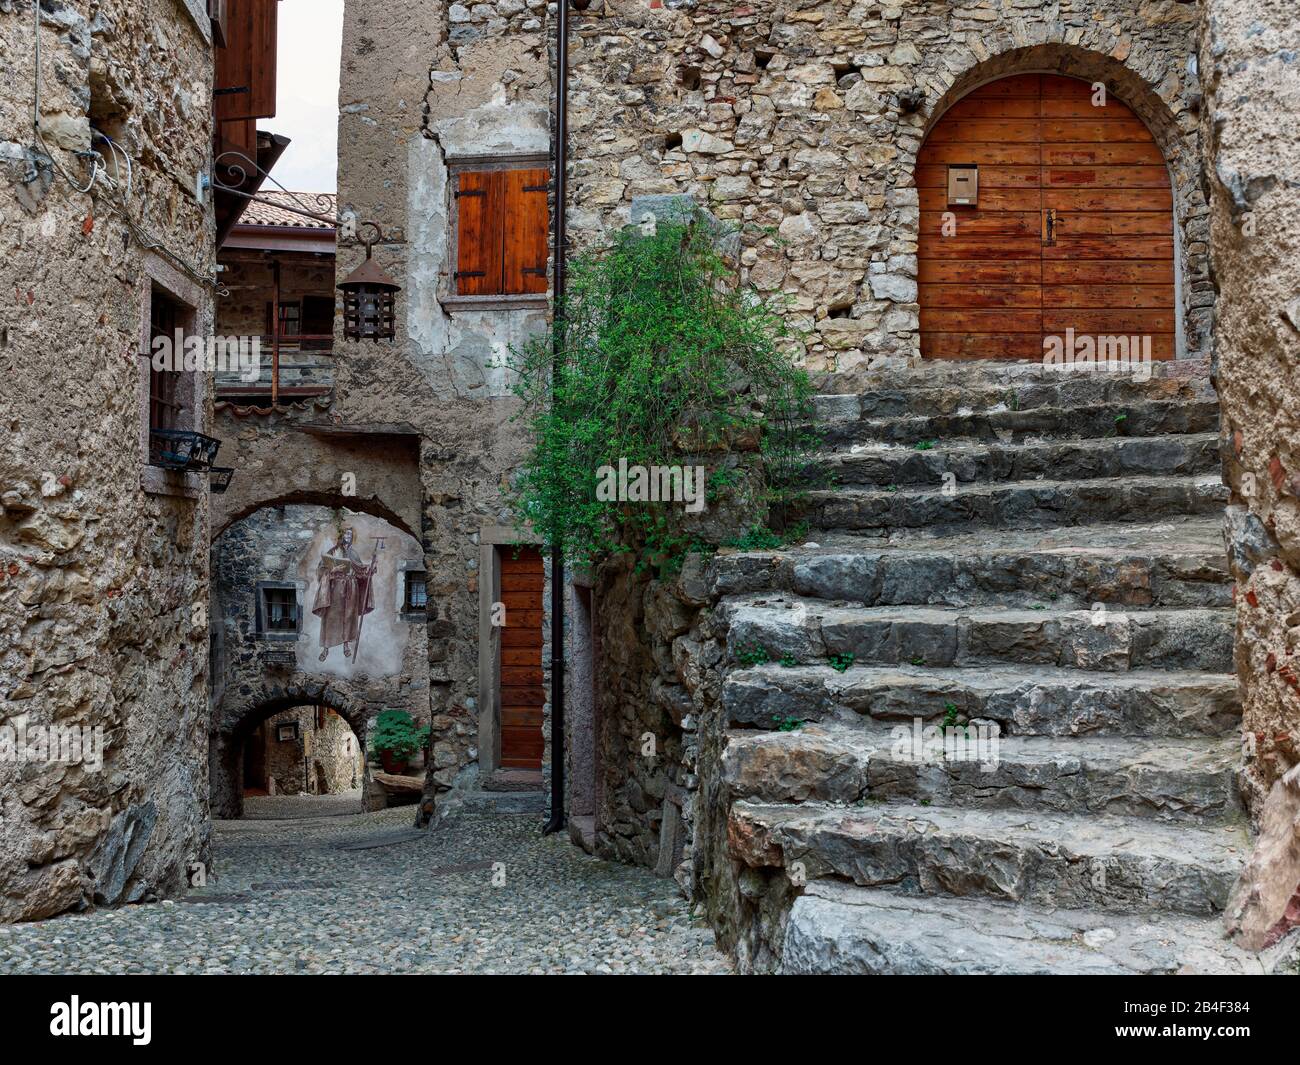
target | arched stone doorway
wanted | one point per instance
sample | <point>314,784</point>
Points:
<point>307,755</point>
<point>1046,207</point>
<point>242,718</point>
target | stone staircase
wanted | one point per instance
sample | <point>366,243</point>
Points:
<point>1032,558</point>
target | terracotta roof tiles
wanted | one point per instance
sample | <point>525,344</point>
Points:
<point>265,214</point>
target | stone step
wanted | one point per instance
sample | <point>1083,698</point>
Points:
<point>801,631</point>
<point>837,928</point>
<point>968,374</point>
<point>1017,504</point>
<point>1093,862</point>
<point>883,465</point>
<point>1023,700</point>
<point>1140,418</point>
<point>975,388</point>
<point>1161,779</point>
<point>1175,564</point>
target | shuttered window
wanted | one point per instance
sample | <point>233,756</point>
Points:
<point>502,226</point>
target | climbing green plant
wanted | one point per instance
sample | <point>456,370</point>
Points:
<point>660,359</point>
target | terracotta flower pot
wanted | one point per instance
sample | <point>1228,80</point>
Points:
<point>393,762</point>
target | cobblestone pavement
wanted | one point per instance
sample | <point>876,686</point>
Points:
<point>366,894</point>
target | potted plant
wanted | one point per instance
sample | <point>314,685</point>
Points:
<point>396,738</point>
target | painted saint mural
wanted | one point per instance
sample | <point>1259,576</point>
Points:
<point>351,568</point>
<point>344,594</point>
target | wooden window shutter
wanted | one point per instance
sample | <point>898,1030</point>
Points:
<point>527,226</point>
<point>245,65</point>
<point>478,232</point>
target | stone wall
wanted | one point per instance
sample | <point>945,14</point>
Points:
<point>799,122</point>
<point>648,675</point>
<point>663,803</point>
<point>104,584</point>
<point>263,673</point>
<point>338,762</point>
<point>1250,55</point>
<point>286,771</point>
<point>1252,82</point>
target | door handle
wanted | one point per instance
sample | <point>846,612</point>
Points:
<point>1049,226</point>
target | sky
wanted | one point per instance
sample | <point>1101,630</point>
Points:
<point>310,41</point>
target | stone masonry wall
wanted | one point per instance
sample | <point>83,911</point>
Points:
<point>645,711</point>
<point>102,583</point>
<point>799,121</point>
<point>663,658</point>
<point>1249,53</point>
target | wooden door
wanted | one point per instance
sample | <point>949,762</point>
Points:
<point>1073,226</point>
<point>522,693</point>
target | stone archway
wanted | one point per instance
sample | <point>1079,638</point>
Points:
<point>266,572</point>
<point>1165,104</point>
<point>361,504</point>
<point>238,718</point>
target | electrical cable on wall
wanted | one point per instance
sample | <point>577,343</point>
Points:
<point>99,174</point>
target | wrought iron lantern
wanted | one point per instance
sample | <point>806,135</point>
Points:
<point>369,294</point>
<point>370,299</point>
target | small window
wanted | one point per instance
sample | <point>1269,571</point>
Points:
<point>290,318</point>
<point>502,232</point>
<point>417,592</point>
<point>171,397</point>
<point>279,609</point>
<point>165,408</point>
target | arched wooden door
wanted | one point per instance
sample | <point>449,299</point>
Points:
<point>1073,227</point>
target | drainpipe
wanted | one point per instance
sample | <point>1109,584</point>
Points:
<point>561,156</point>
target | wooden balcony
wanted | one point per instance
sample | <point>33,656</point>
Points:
<point>293,368</point>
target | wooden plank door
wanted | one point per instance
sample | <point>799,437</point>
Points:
<point>522,693</point>
<point>1073,228</point>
